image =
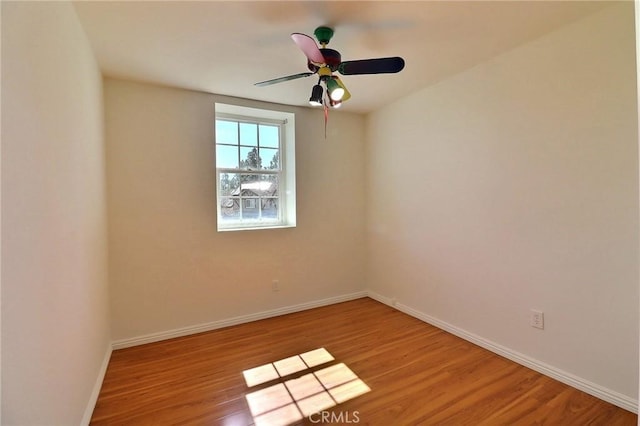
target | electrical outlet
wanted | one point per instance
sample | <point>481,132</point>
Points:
<point>537,319</point>
<point>275,285</point>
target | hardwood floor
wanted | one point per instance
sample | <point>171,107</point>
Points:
<point>417,375</point>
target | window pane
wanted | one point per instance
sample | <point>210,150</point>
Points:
<point>273,185</point>
<point>226,132</point>
<point>248,134</point>
<point>269,136</point>
<point>229,196</point>
<point>229,185</point>
<point>226,156</point>
<point>251,185</point>
<point>230,208</point>
<point>250,159</point>
<point>257,186</point>
<point>250,208</point>
<point>271,158</point>
<point>270,208</point>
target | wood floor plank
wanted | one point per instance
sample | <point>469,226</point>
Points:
<point>417,375</point>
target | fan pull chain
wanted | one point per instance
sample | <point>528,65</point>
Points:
<point>326,117</point>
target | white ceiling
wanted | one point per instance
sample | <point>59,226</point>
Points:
<point>225,46</point>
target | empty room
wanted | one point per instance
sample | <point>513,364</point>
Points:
<point>319,212</point>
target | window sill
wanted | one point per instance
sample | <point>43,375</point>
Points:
<point>256,227</point>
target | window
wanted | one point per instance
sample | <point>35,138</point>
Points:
<point>255,168</point>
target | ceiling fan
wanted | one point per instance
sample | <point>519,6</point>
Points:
<point>324,62</point>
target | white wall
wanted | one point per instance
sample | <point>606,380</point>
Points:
<point>637,22</point>
<point>55,319</point>
<point>169,268</point>
<point>514,185</point>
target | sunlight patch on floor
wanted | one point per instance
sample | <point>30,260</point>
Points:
<point>316,357</point>
<point>264,373</point>
<point>284,367</point>
<point>291,400</point>
<point>290,365</point>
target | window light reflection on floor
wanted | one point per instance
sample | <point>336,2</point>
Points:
<point>289,401</point>
<point>264,373</point>
<point>284,367</point>
<point>316,357</point>
<point>290,365</point>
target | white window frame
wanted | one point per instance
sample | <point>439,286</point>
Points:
<point>286,174</point>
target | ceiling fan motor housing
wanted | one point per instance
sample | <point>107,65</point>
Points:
<point>332,59</point>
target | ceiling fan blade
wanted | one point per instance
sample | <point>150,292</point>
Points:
<point>281,79</point>
<point>308,47</point>
<point>372,66</point>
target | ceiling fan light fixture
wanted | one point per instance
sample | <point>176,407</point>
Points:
<point>316,96</point>
<point>346,95</point>
<point>336,92</point>
<point>324,62</point>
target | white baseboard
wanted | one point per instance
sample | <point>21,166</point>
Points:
<point>591,388</point>
<point>185,331</point>
<point>380,298</point>
<point>93,399</point>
